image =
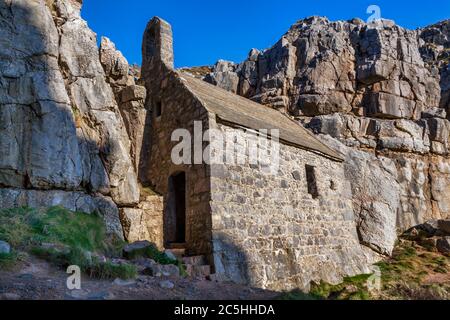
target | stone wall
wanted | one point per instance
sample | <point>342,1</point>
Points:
<point>179,108</point>
<point>267,230</point>
<point>144,222</point>
<point>179,111</point>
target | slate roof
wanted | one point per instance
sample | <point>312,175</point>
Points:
<point>234,109</point>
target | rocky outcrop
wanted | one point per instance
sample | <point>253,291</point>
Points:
<point>115,65</point>
<point>373,91</point>
<point>434,234</point>
<point>435,50</point>
<point>225,76</point>
<point>129,96</point>
<point>61,130</point>
<point>136,119</point>
<point>321,67</point>
<point>94,99</point>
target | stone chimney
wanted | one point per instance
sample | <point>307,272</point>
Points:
<point>157,45</point>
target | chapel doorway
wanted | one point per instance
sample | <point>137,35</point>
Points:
<point>175,213</point>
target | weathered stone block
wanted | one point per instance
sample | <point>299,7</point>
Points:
<point>385,105</point>
<point>133,93</point>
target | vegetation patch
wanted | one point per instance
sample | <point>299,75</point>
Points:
<point>150,252</point>
<point>64,238</point>
<point>297,294</point>
<point>109,270</point>
<point>7,260</point>
<point>159,257</point>
<point>414,272</point>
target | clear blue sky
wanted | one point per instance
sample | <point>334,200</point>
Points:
<point>207,30</point>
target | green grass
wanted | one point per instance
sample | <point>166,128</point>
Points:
<point>147,191</point>
<point>108,270</point>
<point>24,227</point>
<point>297,295</point>
<point>7,260</point>
<point>152,252</point>
<point>352,288</point>
<point>325,291</point>
<point>74,237</point>
<point>408,274</point>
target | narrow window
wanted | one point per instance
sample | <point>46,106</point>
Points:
<point>158,109</point>
<point>311,181</point>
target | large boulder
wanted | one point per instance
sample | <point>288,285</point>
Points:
<point>443,245</point>
<point>444,226</point>
<point>376,196</point>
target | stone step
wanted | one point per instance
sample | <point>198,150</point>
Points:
<point>215,277</point>
<point>179,253</point>
<point>198,271</point>
<point>195,260</point>
<point>176,245</point>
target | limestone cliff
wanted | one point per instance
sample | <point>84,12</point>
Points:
<point>379,93</point>
<point>63,140</point>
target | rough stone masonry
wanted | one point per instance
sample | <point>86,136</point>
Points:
<point>278,230</point>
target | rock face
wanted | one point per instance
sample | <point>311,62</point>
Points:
<point>321,67</point>
<point>144,222</point>
<point>435,50</point>
<point>61,129</point>
<point>373,91</point>
<point>73,200</point>
<point>115,65</point>
<point>129,96</point>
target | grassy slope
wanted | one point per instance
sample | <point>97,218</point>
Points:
<point>413,272</point>
<point>68,238</point>
<point>62,237</point>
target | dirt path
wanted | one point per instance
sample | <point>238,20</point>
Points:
<point>38,280</point>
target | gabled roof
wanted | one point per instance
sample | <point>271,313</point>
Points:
<point>234,109</point>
